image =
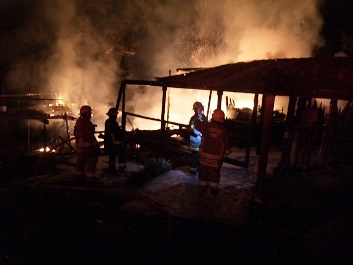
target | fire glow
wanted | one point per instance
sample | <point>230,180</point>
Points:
<point>47,150</point>
<point>179,105</point>
<point>85,64</point>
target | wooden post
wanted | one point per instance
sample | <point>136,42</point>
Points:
<point>332,122</point>
<point>164,96</point>
<point>331,132</point>
<point>120,94</point>
<point>123,113</point>
<point>253,129</point>
<point>45,124</point>
<point>258,146</point>
<point>219,101</point>
<point>269,101</point>
<point>67,131</point>
<point>254,110</point>
<point>287,143</point>
<point>208,105</point>
<point>168,106</point>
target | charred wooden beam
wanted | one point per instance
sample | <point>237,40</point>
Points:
<point>164,97</point>
<point>268,103</point>
<point>181,125</point>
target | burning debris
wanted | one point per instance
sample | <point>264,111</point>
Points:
<point>26,118</point>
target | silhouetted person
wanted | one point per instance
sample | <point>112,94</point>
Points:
<point>114,142</point>
<point>86,144</point>
<point>195,136</point>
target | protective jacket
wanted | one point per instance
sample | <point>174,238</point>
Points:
<point>113,134</point>
<point>87,148</point>
<point>114,144</point>
<point>215,143</point>
<point>195,135</point>
<point>84,133</point>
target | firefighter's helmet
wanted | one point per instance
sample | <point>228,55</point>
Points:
<point>112,111</point>
<point>85,109</point>
<point>218,115</point>
<point>197,105</point>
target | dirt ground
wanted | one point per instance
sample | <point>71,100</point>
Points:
<point>301,218</point>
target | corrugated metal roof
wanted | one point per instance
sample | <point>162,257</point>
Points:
<point>326,77</point>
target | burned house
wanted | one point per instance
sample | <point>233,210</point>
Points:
<point>301,80</point>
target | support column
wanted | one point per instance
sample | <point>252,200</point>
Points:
<point>164,97</point>
<point>208,105</point>
<point>268,104</point>
<point>45,124</point>
<point>122,95</point>
<point>287,142</point>
<point>219,101</point>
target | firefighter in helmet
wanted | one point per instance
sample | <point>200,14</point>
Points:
<point>86,144</point>
<point>214,147</point>
<point>195,136</point>
<point>114,142</point>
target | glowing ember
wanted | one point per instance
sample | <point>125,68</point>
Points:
<point>47,149</point>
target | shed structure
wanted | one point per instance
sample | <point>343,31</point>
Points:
<point>326,77</point>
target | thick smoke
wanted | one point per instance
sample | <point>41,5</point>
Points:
<point>211,33</point>
<point>82,49</point>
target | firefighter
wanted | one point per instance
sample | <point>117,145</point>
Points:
<point>114,142</point>
<point>86,144</point>
<point>195,136</point>
<point>214,147</point>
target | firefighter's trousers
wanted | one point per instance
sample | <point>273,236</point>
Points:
<point>114,152</point>
<point>209,177</point>
<point>87,159</point>
<point>194,161</point>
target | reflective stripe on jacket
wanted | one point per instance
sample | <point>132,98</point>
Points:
<point>215,143</point>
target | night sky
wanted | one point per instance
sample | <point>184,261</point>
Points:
<point>337,15</point>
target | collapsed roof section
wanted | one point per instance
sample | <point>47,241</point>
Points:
<point>326,77</point>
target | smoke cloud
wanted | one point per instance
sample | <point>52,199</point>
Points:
<point>82,49</point>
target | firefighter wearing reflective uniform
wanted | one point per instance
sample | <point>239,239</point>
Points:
<point>114,142</point>
<point>195,136</point>
<point>86,144</point>
<point>214,147</point>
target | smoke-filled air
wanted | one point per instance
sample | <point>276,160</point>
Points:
<point>82,49</point>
